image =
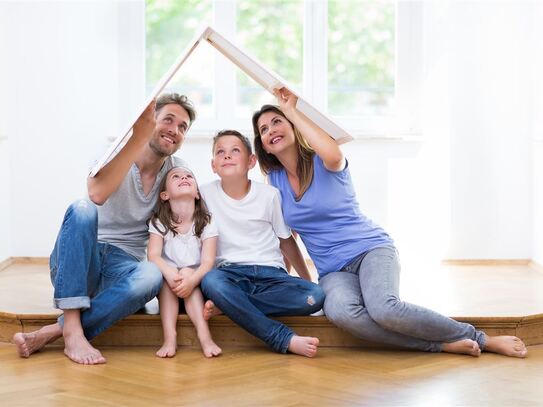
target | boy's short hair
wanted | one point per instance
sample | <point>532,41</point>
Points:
<point>176,99</point>
<point>234,133</point>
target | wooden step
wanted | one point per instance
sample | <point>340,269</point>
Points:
<point>145,330</point>
<point>501,300</point>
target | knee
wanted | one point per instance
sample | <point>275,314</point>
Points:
<point>147,280</point>
<point>315,298</point>
<point>212,282</point>
<point>386,313</point>
<point>82,212</point>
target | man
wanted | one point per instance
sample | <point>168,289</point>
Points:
<point>97,266</point>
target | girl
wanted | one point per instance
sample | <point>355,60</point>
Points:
<point>357,263</point>
<point>183,244</point>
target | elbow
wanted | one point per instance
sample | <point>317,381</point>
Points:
<point>96,198</point>
<point>95,194</point>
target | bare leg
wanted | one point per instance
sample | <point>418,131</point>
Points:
<point>169,310</point>
<point>194,304</point>
<point>211,310</point>
<point>506,345</point>
<point>28,343</point>
<point>76,346</point>
<point>462,347</point>
<point>303,345</point>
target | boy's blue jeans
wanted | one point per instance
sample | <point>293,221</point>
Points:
<point>249,294</point>
<point>100,279</point>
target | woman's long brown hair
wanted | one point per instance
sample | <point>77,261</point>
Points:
<point>163,212</point>
<point>269,162</point>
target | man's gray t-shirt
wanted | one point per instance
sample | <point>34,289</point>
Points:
<point>122,218</point>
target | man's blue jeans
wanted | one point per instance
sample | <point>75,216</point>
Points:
<point>100,279</point>
<point>249,294</point>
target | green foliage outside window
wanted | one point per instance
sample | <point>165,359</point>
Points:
<point>361,47</point>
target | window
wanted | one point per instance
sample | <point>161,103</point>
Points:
<point>344,56</point>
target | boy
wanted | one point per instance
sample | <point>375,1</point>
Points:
<point>251,282</point>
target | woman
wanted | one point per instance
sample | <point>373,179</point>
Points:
<point>356,259</point>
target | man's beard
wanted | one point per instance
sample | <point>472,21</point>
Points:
<point>158,149</point>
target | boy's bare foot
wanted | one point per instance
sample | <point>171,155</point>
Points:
<point>210,310</point>
<point>209,347</point>
<point>28,343</point>
<point>79,350</point>
<point>303,345</point>
<point>168,349</point>
<point>506,345</point>
<point>462,347</point>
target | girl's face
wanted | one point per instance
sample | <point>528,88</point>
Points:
<point>276,132</point>
<point>180,183</point>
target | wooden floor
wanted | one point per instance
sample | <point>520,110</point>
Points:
<point>257,377</point>
<point>252,375</point>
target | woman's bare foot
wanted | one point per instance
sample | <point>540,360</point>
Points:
<point>506,345</point>
<point>168,349</point>
<point>303,345</point>
<point>210,310</point>
<point>28,343</point>
<point>462,347</point>
<point>79,350</point>
<point>209,348</point>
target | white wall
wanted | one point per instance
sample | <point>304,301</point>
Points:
<point>464,191</point>
<point>5,183</point>
<point>537,50</point>
<point>490,80</point>
<point>62,61</point>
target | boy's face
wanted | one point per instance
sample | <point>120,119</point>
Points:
<point>231,158</point>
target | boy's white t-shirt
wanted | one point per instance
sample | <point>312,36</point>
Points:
<point>183,250</point>
<point>249,228</point>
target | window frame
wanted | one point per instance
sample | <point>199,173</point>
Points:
<point>404,121</point>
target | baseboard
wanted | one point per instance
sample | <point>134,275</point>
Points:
<point>449,262</point>
<point>486,262</point>
<point>4,264</point>
<point>536,266</point>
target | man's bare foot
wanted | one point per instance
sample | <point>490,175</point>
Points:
<point>28,343</point>
<point>462,347</point>
<point>209,347</point>
<point>168,349</point>
<point>210,310</point>
<point>303,345</point>
<point>79,350</point>
<point>506,345</point>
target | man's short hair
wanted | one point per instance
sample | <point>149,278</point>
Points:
<point>177,99</point>
<point>234,133</point>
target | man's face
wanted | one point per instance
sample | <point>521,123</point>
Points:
<point>172,122</point>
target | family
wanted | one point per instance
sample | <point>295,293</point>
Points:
<point>149,229</point>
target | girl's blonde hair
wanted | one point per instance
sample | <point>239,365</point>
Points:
<point>163,212</point>
<point>269,162</point>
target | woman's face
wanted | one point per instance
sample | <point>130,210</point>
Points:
<point>276,132</point>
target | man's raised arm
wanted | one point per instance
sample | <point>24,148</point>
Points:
<point>109,178</point>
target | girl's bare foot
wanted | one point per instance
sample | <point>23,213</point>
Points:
<point>168,349</point>
<point>210,310</point>
<point>209,347</point>
<point>28,343</point>
<point>79,350</point>
<point>462,347</point>
<point>506,345</point>
<point>303,345</point>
